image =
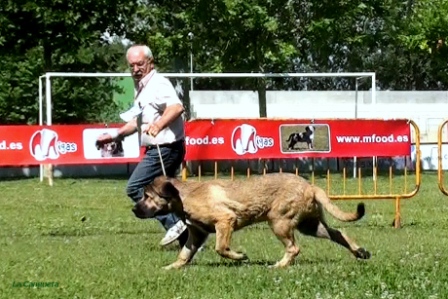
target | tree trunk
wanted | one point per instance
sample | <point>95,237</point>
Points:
<point>188,165</point>
<point>261,88</point>
<point>262,106</point>
<point>186,98</point>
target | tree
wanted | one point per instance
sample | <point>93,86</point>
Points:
<point>229,36</point>
<point>67,36</point>
<point>426,35</point>
<point>382,36</point>
<point>404,42</point>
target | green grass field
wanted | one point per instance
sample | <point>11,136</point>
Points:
<point>114,255</point>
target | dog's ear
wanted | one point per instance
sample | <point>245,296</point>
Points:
<point>168,191</point>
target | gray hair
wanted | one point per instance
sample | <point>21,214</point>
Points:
<point>146,50</point>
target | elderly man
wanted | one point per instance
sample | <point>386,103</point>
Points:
<point>157,116</point>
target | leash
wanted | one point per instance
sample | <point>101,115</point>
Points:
<point>158,147</point>
<point>161,159</point>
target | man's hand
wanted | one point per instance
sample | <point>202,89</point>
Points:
<point>103,139</point>
<point>153,130</point>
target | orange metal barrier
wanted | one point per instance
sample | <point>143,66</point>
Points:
<point>382,186</point>
<point>440,173</point>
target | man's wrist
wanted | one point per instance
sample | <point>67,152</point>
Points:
<point>158,126</point>
<point>115,134</point>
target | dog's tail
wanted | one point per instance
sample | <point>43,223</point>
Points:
<point>322,198</point>
<point>290,136</point>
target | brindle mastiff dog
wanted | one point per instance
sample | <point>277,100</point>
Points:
<point>286,201</point>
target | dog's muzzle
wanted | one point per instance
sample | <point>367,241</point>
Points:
<point>140,211</point>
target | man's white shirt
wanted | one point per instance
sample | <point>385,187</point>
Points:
<point>155,95</point>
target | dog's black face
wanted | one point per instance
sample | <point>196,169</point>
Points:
<point>159,198</point>
<point>309,130</point>
<point>305,136</point>
<point>118,147</point>
<point>112,149</point>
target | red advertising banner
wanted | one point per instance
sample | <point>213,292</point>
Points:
<point>212,140</point>
<point>63,144</point>
<point>290,138</point>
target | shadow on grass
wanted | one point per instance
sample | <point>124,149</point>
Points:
<point>266,263</point>
<point>340,226</point>
<point>230,264</point>
<point>20,179</point>
<point>88,233</point>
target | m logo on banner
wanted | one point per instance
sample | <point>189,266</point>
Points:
<point>45,144</point>
<point>245,140</point>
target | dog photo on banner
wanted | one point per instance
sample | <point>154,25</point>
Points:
<point>305,137</point>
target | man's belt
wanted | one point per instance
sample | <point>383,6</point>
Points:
<point>165,145</point>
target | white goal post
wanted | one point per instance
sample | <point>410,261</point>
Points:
<point>49,75</point>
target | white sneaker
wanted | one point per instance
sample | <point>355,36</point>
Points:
<point>173,233</point>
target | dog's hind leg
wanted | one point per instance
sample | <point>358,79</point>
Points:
<point>285,233</point>
<point>196,238</point>
<point>224,231</point>
<point>319,229</point>
<point>291,145</point>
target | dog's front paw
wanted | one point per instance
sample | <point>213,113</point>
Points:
<point>361,253</point>
<point>274,266</point>
<point>173,266</point>
<point>279,265</point>
<point>169,267</point>
<point>242,256</point>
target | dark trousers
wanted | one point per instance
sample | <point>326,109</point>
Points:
<point>150,167</point>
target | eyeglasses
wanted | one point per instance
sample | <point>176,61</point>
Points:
<point>140,64</point>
